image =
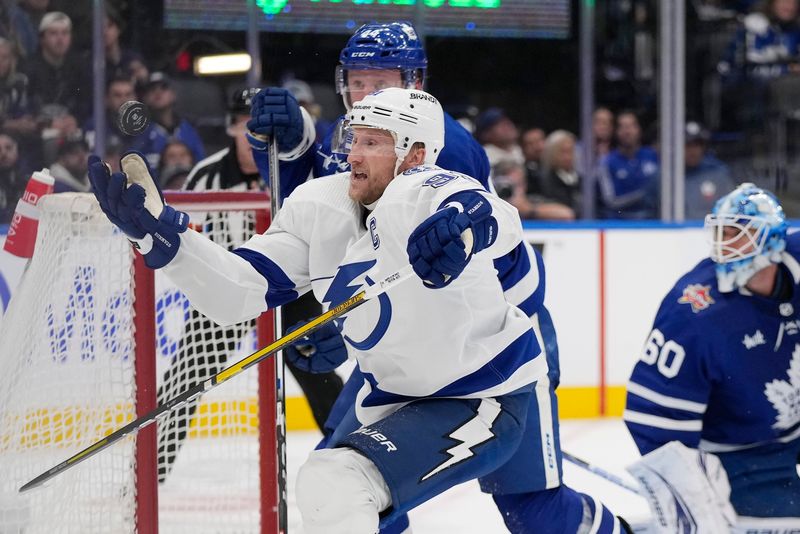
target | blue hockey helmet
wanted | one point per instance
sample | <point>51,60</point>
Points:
<point>748,232</point>
<point>392,46</point>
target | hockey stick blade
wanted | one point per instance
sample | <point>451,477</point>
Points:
<point>223,376</point>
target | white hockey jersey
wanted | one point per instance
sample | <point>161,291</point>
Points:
<point>463,340</point>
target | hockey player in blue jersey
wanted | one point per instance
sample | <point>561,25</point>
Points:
<point>714,401</point>
<point>450,365</point>
<point>377,56</point>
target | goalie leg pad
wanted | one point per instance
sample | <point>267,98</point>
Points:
<point>687,490</point>
<point>340,491</point>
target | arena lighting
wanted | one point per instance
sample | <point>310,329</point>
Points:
<point>222,64</point>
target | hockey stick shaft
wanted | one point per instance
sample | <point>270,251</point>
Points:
<point>611,477</point>
<point>223,376</point>
<point>280,393</point>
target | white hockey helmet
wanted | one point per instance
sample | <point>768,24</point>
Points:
<point>409,115</point>
<point>756,238</point>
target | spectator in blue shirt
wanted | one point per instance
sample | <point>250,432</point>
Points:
<point>706,177</point>
<point>159,96</point>
<point>629,175</point>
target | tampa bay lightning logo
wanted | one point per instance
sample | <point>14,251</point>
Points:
<point>439,180</point>
<point>373,232</point>
<point>343,287</point>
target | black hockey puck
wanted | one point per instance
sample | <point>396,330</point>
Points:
<point>132,117</point>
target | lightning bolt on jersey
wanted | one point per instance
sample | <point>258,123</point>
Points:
<point>464,340</point>
<point>720,371</point>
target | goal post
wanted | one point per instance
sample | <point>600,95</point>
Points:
<point>91,339</point>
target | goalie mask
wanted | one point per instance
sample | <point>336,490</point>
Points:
<point>410,116</point>
<point>747,232</point>
<point>382,47</point>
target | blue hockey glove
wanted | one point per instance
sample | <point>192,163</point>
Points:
<point>133,202</point>
<point>275,112</point>
<point>436,248</point>
<point>321,351</point>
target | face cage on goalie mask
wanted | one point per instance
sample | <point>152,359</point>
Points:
<point>755,231</point>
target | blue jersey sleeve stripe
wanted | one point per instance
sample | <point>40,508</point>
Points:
<point>513,267</point>
<point>530,306</point>
<point>522,350</point>
<point>655,421</point>
<point>280,289</point>
<point>664,400</point>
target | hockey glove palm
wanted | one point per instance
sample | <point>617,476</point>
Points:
<point>441,246</point>
<point>133,202</point>
<point>321,351</point>
<point>275,112</point>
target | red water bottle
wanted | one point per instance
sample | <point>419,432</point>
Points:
<point>21,236</point>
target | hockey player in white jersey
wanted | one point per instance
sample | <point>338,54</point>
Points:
<point>449,364</point>
<point>714,401</point>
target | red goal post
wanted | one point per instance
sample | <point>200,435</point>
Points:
<point>83,366</point>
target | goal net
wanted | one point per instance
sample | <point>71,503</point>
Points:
<point>92,339</point>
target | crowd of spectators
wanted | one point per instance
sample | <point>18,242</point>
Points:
<point>46,120</point>
<point>542,174</point>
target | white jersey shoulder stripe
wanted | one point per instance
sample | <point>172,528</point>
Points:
<point>711,446</point>
<point>664,400</point>
<point>689,425</point>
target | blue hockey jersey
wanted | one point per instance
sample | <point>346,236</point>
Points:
<point>720,371</point>
<point>629,186</point>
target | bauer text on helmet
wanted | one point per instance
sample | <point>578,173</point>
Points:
<point>747,233</point>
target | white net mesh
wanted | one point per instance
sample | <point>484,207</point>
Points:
<point>208,451</point>
<point>67,362</point>
<point>68,377</point>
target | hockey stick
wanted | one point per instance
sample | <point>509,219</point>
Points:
<point>280,368</point>
<point>600,472</point>
<point>134,426</point>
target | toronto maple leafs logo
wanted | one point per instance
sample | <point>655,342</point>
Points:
<point>785,395</point>
<point>699,296</point>
<point>332,162</point>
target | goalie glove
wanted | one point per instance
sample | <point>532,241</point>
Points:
<point>133,203</point>
<point>442,245</point>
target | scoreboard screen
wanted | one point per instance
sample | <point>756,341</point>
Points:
<point>542,19</point>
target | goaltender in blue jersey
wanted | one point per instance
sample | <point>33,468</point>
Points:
<point>720,372</point>
<point>450,365</point>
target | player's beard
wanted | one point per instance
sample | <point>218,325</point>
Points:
<point>366,185</point>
